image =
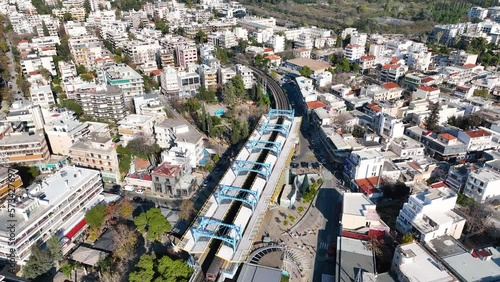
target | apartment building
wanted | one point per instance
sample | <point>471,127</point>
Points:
<point>411,261</point>
<point>359,212</point>
<point>186,55</point>
<point>367,62</point>
<point>482,185</point>
<point>208,76</point>
<point>188,82</point>
<point>444,146</point>
<point>173,180</point>
<point>135,126</point>
<point>363,164</point>
<point>141,52</point>
<point>460,58</point>
<point>9,180</point>
<point>97,151</point>
<point>407,148</point>
<point>172,133</point>
<point>64,131</point>
<point>464,92</point>
<point>169,82</point>
<point>102,101</point>
<point>224,39</point>
<point>54,207</point>
<point>476,140</point>
<point>26,115</point>
<point>430,214</point>
<point>225,75</point>
<point>384,92</point>
<point>302,53</point>
<point>33,63</point>
<point>42,95</point>
<point>86,50</point>
<point>25,148</point>
<point>392,72</point>
<point>304,41</point>
<point>353,52</point>
<point>77,13</point>
<point>128,80</point>
<point>426,93</point>
<point>246,74</point>
<point>67,69</point>
<point>458,75</point>
<point>477,13</point>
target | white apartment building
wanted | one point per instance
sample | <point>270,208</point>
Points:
<point>353,52</point>
<point>477,13</point>
<point>460,58</point>
<point>141,52</point>
<point>359,39</point>
<point>482,185</point>
<point>29,115</point>
<point>412,263</point>
<point>172,133</point>
<point>246,74</point>
<point>67,69</point>
<point>384,92</point>
<point>42,95</point>
<point>208,76</point>
<point>278,43</point>
<point>128,80</point>
<point>364,164</point>
<point>186,55</point>
<point>188,82</point>
<point>426,93</point>
<point>407,148</point>
<point>97,151</point>
<point>305,41</point>
<point>429,214</point>
<point>54,207</point>
<point>419,60</point>
<point>64,131</point>
<point>134,126</point>
<point>359,212</point>
<point>393,72</point>
<point>476,140</point>
<point>389,126</point>
<point>225,75</point>
<point>169,82</point>
<point>224,39</point>
<point>33,63</point>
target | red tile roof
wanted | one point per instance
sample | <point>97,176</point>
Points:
<point>477,133</point>
<point>352,46</point>
<point>273,58</point>
<point>463,87</point>
<point>439,184</point>
<point>447,136</point>
<point>156,72</point>
<point>428,88</point>
<point>168,170</point>
<point>390,66</point>
<point>390,85</point>
<point>268,50</point>
<point>394,60</point>
<point>367,185</point>
<point>315,105</point>
<point>374,107</point>
<point>141,176</point>
<point>468,66</point>
<point>414,165</point>
<point>140,164</point>
<point>23,41</point>
<point>427,79</point>
<point>367,57</point>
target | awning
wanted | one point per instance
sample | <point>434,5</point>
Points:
<point>75,229</point>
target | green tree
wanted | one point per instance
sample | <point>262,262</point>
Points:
<point>407,238</point>
<point>193,105</point>
<point>229,94</point>
<point>358,131</point>
<point>38,263</point>
<point>239,86</point>
<point>72,105</point>
<point>221,55</point>
<point>86,6</point>
<point>144,270</point>
<point>152,224</point>
<point>95,216</point>
<point>432,120</point>
<point>306,71</point>
<point>163,27</point>
<point>484,93</point>
<point>81,69</point>
<point>205,94</point>
<point>45,29</point>
<point>67,269</point>
<point>54,248</point>
<point>67,17</point>
<point>200,37</point>
<point>235,132</point>
<point>173,270</point>
<point>180,31</point>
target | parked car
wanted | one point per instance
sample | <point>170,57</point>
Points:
<point>140,191</point>
<point>138,199</point>
<point>294,165</point>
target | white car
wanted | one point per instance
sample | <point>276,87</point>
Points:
<point>140,191</point>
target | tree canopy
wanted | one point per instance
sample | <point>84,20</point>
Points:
<point>72,105</point>
<point>38,263</point>
<point>164,269</point>
<point>432,120</point>
<point>95,216</point>
<point>152,224</point>
<point>306,71</point>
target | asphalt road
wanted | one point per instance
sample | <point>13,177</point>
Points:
<point>10,81</point>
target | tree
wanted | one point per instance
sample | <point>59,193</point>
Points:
<point>54,248</point>
<point>45,73</point>
<point>45,29</point>
<point>200,37</point>
<point>187,210</point>
<point>95,216</point>
<point>67,17</point>
<point>72,105</point>
<point>144,270</point>
<point>152,224</point>
<point>81,69</point>
<point>306,71</point>
<point>38,263</point>
<point>205,94</point>
<point>221,55</point>
<point>407,238</point>
<point>239,86</point>
<point>438,36</point>
<point>375,245</point>
<point>124,239</point>
<point>125,208</point>
<point>432,120</point>
<point>476,218</point>
<point>235,132</point>
<point>358,131</point>
<point>86,6</point>
<point>484,93</point>
<point>173,270</point>
<point>229,94</point>
<point>67,269</point>
<point>180,31</point>
<point>163,27</point>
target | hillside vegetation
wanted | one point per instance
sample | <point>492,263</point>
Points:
<point>393,16</point>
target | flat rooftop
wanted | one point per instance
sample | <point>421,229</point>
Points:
<point>192,135</point>
<point>134,119</point>
<point>312,64</point>
<point>353,256</point>
<point>259,273</point>
<point>356,203</point>
<point>22,138</point>
<point>423,267</point>
<point>51,192</point>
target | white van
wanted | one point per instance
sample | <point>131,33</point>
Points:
<point>129,188</point>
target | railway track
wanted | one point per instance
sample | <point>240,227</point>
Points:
<point>211,261</point>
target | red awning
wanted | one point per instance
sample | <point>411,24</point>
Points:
<point>75,229</point>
